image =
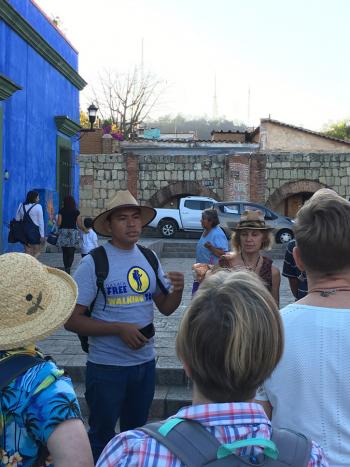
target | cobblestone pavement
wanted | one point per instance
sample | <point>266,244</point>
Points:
<point>64,346</point>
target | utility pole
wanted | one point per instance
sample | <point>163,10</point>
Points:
<point>215,101</point>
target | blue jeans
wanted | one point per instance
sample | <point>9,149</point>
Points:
<point>112,392</point>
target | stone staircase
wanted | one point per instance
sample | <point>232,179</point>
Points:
<point>173,391</point>
<point>176,249</point>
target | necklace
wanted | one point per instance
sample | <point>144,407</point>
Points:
<point>328,292</point>
<point>250,268</point>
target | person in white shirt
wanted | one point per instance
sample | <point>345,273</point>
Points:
<point>35,231</point>
<point>309,389</point>
<point>89,239</point>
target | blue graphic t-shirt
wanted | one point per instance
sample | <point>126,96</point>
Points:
<point>218,239</point>
<point>31,407</point>
<point>129,286</point>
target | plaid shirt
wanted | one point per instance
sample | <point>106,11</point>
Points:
<point>227,422</point>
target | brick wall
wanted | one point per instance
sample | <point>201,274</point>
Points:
<point>91,142</point>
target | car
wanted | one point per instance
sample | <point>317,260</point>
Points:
<point>187,217</point>
<point>229,213</point>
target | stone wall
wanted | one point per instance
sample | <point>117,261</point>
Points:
<point>152,179</point>
<point>100,177</point>
<point>269,178</point>
<point>292,173</point>
<point>159,172</point>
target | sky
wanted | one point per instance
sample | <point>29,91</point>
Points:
<point>278,58</point>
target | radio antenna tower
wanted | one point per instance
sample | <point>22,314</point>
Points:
<point>215,101</point>
<point>141,63</point>
<point>248,108</point>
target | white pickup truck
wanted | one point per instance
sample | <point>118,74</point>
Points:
<point>187,217</point>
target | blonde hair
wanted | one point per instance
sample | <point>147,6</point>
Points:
<point>231,336</point>
<point>266,243</point>
<point>322,232</point>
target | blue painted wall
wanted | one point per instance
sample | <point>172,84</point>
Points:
<point>29,130</point>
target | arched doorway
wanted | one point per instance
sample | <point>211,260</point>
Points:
<point>289,197</point>
<point>168,196</point>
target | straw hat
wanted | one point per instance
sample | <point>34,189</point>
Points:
<point>252,220</point>
<point>123,199</point>
<point>35,300</point>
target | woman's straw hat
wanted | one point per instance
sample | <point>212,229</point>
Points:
<point>35,300</point>
<point>252,220</point>
<point>123,199</point>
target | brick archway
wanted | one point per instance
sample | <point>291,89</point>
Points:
<point>178,188</point>
<point>292,188</point>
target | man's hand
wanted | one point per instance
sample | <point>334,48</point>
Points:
<point>131,335</point>
<point>177,281</point>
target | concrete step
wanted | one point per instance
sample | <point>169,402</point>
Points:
<point>179,254</point>
<point>167,400</point>
<point>165,376</point>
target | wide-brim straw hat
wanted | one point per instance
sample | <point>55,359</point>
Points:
<point>35,300</point>
<point>252,220</point>
<point>123,199</point>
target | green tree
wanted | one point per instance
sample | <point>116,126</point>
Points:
<point>339,129</point>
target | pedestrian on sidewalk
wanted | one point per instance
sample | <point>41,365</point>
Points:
<point>120,374</point>
<point>230,340</point>
<point>89,239</point>
<point>40,420</point>
<point>68,221</point>
<point>32,211</point>
<point>309,389</point>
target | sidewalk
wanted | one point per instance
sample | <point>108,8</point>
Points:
<point>65,348</point>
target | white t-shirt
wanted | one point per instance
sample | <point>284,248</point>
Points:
<point>310,387</point>
<point>36,214</point>
<point>89,241</point>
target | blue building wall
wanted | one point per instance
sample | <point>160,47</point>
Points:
<point>29,140</point>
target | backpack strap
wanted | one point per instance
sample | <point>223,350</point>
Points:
<point>186,439</point>
<point>294,448</point>
<point>195,446</point>
<point>100,258</point>
<point>153,261</point>
<point>15,365</point>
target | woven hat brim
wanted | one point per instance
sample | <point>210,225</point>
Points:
<point>64,292</point>
<point>253,228</point>
<point>100,225</point>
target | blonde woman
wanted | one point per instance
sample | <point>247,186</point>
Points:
<point>251,236</point>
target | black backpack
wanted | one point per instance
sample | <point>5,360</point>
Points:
<point>99,256</point>
<point>25,230</point>
<point>195,446</point>
<point>15,365</point>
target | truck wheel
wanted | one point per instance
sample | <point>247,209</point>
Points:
<point>168,228</point>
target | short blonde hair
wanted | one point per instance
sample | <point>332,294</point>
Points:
<point>231,336</point>
<point>267,241</point>
<point>322,232</point>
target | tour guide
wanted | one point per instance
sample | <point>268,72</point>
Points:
<point>120,375</point>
